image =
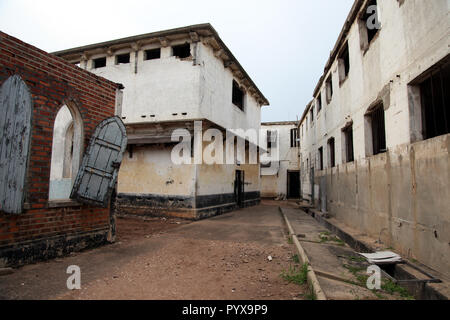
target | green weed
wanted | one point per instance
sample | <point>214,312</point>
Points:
<point>392,288</point>
<point>296,274</point>
<point>295,258</point>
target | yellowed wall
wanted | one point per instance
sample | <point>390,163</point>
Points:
<point>150,171</point>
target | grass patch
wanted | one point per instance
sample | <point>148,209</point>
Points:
<point>296,258</point>
<point>379,295</point>
<point>355,258</point>
<point>387,286</point>
<point>296,274</point>
<point>356,271</point>
<point>289,240</point>
<point>327,237</point>
<point>393,288</point>
<point>310,295</point>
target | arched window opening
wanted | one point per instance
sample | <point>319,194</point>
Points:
<point>66,152</point>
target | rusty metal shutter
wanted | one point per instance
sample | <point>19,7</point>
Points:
<point>97,175</point>
<point>15,130</point>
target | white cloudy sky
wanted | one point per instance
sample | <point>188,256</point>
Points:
<point>282,44</point>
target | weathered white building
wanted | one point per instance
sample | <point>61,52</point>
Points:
<point>375,139</point>
<point>280,179</point>
<point>172,79</point>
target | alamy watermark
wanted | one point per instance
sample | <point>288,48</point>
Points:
<point>374,280</point>
<point>74,281</point>
<point>373,21</point>
<point>236,146</point>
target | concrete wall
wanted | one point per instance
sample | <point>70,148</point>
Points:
<point>150,170</point>
<point>216,95</point>
<point>399,197</point>
<point>150,184</point>
<point>171,89</point>
<point>274,179</point>
<point>159,88</point>
<point>380,194</point>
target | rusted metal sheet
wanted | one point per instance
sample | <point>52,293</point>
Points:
<point>97,175</point>
<point>15,131</point>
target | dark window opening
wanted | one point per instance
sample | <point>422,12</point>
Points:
<point>378,130</point>
<point>345,60</point>
<point>349,152</point>
<point>369,21</point>
<point>123,58</point>
<point>320,158</point>
<point>332,152</point>
<point>435,101</point>
<point>99,63</point>
<point>182,51</point>
<point>294,138</point>
<point>329,85</point>
<point>238,96</point>
<point>312,114</point>
<point>319,103</point>
<point>269,139</point>
<point>152,54</point>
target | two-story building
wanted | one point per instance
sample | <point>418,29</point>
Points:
<point>280,179</point>
<point>375,138</point>
<point>186,79</point>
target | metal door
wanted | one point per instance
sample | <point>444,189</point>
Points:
<point>98,172</point>
<point>15,131</point>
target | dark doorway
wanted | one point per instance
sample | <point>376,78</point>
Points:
<point>239,188</point>
<point>293,191</point>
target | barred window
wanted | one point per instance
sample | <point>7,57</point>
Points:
<point>435,101</point>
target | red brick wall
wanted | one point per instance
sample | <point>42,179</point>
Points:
<point>51,81</point>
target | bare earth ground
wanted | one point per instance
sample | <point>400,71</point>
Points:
<point>225,257</point>
<point>135,228</point>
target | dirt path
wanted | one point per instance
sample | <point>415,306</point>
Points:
<point>220,258</point>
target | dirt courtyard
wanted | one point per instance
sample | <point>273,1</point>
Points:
<point>240,256</point>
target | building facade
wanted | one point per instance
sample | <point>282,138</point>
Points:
<point>38,91</point>
<point>375,139</point>
<point>280,179</point>
<point>185,79</point>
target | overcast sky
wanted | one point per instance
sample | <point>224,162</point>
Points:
<point>282,44</point>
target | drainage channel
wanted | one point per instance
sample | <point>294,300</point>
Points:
<point>396,272</point>
<point>416,287</point>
